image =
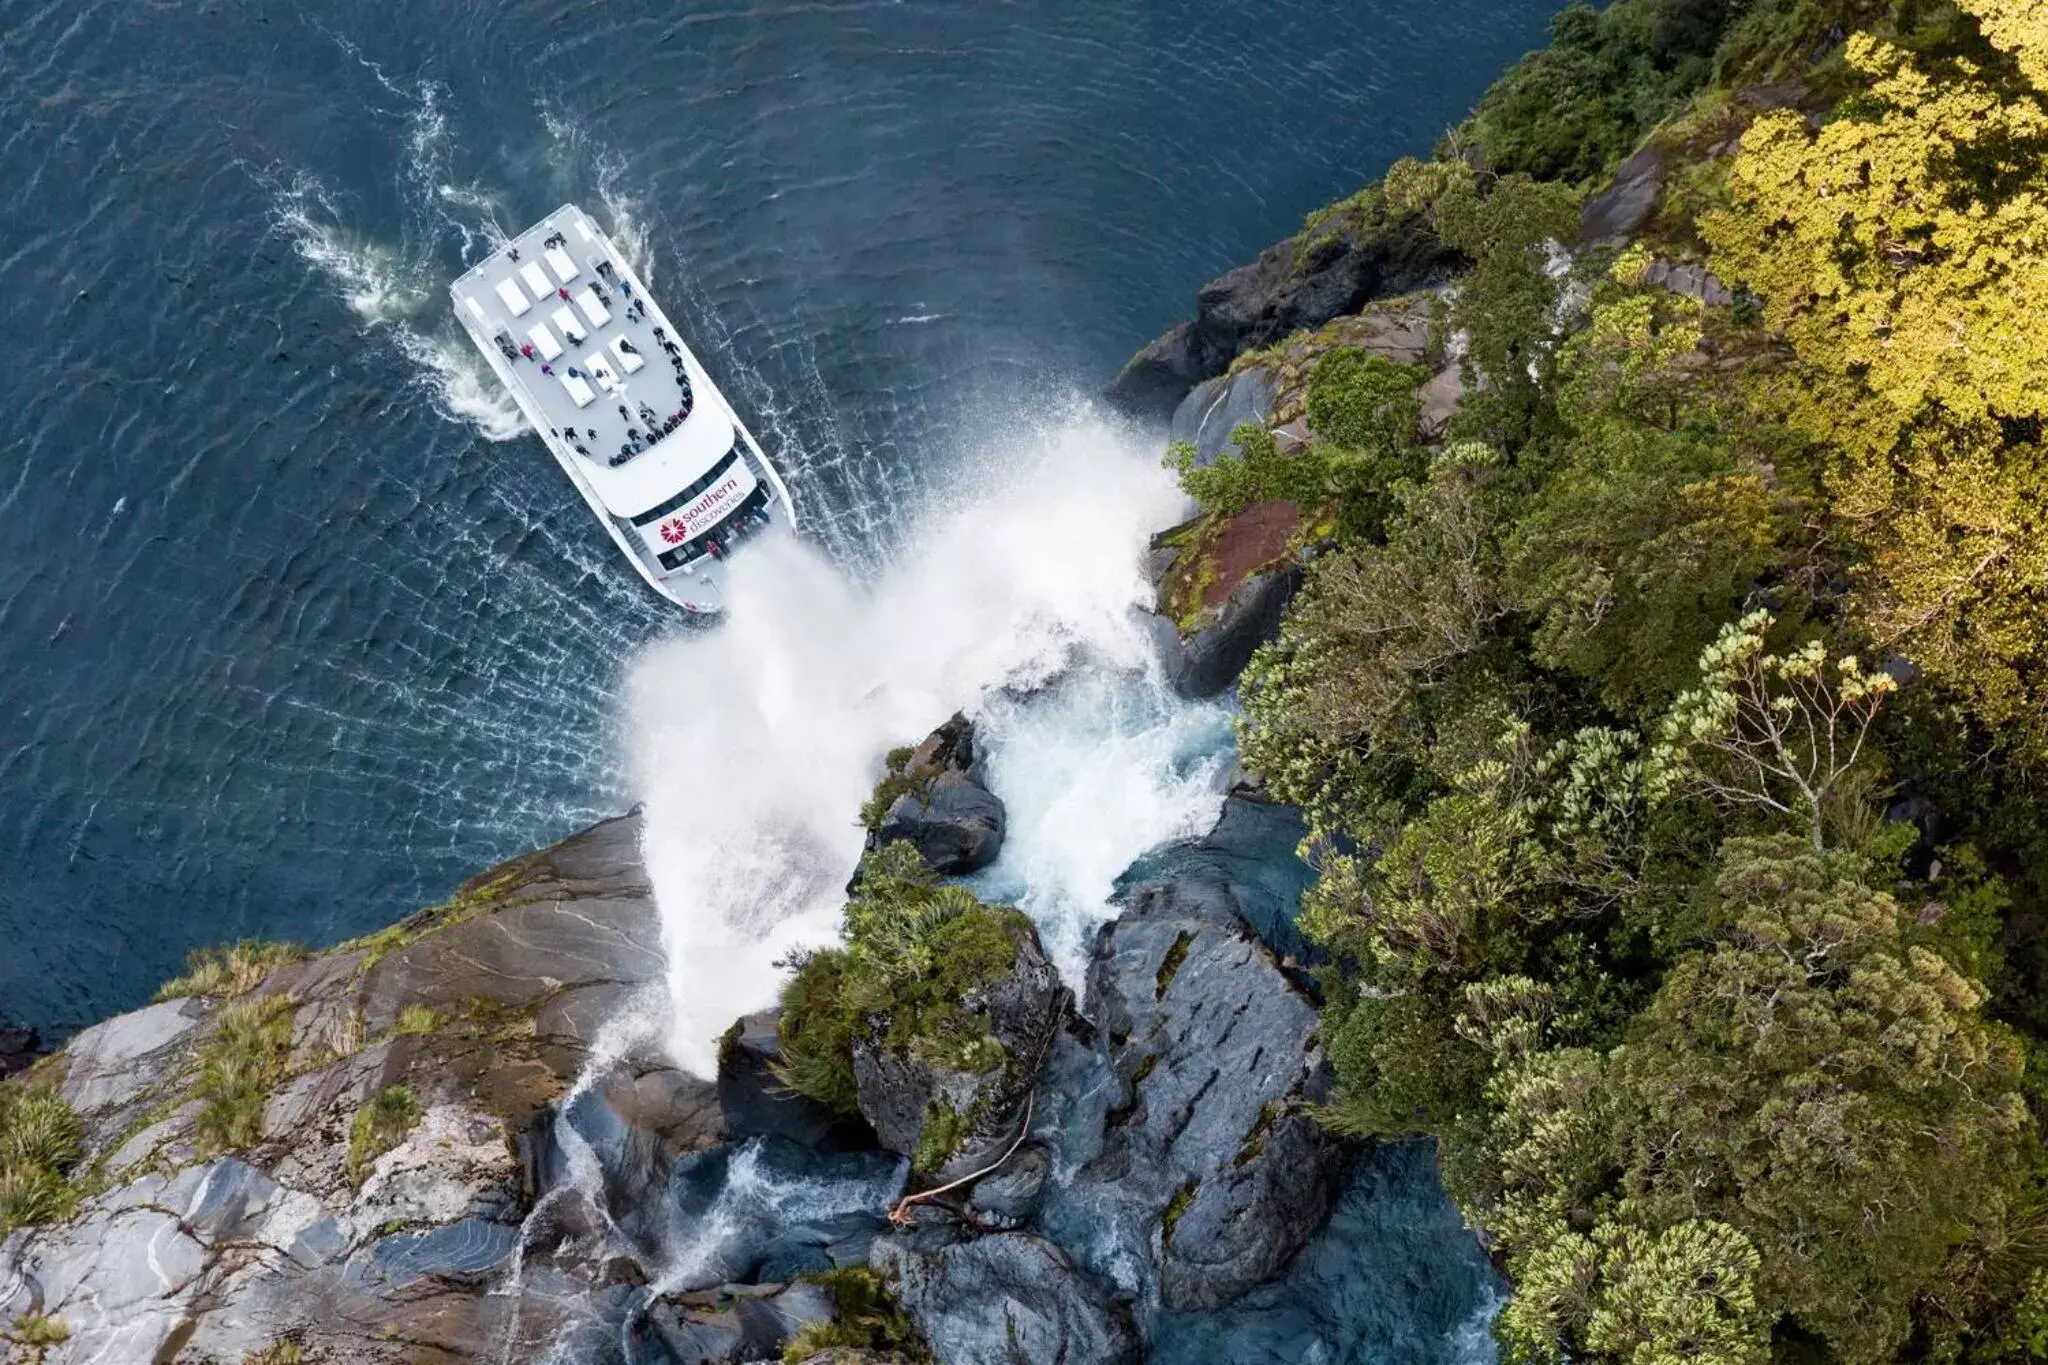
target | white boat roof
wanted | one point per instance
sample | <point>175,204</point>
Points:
<point>583,332</point>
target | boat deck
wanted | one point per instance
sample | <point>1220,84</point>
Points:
<point>553,298</point>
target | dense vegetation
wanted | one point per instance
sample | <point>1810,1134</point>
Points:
<point>1671,734</point>
<point>914,953</point>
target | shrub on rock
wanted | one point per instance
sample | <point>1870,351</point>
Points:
<point>930,1021</point>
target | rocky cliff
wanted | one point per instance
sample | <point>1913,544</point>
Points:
<point>451,1141</point>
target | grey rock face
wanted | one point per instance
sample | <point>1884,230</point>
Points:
<point>1690,279</point>
<point>1012,1196</point>
<point>753,1101</point>
<point>1280,293</point>
<point>387,1260</point>
<point>1006,1299</point>
<point>1619,211</point>
<point>900,1096</point>
<point>1208,661</point>
<point>1216,407</point>
<point>1200,1173</point>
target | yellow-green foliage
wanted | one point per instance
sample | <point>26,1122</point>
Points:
<point>1603,745</point>
<point>282,1352</point>
<point>914,950</point>
<point>235,969</point>
<point>865,1317</point>
<point>238,1064</point>
<point>416,1018</point>
<point>35,1332</point>
<point>379,1126</point>
<point>1898,251</point>
<point>39,1142</point>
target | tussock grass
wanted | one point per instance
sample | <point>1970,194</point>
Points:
<point>379,1126</point>
<point>238,1065</point>
<point>230,970</point>
<point>40,1139</point>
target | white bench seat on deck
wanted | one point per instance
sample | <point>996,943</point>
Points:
<point>513,297</point>
<point>599,367</point>
<point>579,391</point>
<point>544,341</point>
<point>572,331</point>
<point>559,262</point>
<point>536,280</point>
<point>598,314</point>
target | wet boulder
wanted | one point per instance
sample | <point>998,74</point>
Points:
<point>1207,659</point>
<point>752,1097</point>
<point>1200,1170</point>
<point>1215,408</point>
<point>1009,1298</point>
<point>933,797</point>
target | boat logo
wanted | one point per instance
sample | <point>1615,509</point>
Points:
<point>674,531</point>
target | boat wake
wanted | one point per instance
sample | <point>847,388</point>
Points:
<point>400,295</point>
<point>752,747</point>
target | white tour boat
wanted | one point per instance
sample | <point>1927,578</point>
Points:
<point>666,464</point>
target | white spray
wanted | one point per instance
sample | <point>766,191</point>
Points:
<point>756,743</point>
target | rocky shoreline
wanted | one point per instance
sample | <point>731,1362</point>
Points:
<point>458,1146</point>
<point>1169,1117</point>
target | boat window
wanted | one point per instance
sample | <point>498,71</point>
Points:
<point>710,476</point>
<point>735,524</point>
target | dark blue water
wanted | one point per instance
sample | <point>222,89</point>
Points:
<point>288,644</point>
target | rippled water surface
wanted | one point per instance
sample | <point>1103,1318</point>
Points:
<point>296,630</point>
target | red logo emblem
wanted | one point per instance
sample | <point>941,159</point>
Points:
<point>674,531</point>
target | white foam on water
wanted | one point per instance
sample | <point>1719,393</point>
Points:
<point>398,295</point>
<point>754,745</point>
<point>1092,773</point>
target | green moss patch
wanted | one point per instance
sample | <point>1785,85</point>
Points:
<point>1170,965</point>
<point>866,1317</point>
<point>1177,1207</point>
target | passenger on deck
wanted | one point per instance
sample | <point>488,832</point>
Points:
<point>628,347</point>
<point>626,288</point>
<point>546,368</point>
<point>526,349</point>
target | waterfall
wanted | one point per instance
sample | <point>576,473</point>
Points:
<point>754,745</point>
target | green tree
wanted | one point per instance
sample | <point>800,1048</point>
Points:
<point>1812,1082</point>
<point>1376,634</point>
<point>1782,733</point>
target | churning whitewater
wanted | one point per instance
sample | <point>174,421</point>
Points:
<point>754,745</point>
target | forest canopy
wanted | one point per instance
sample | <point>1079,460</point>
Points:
<point>1670,730</point>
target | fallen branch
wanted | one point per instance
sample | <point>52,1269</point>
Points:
<point>900,1215</point>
